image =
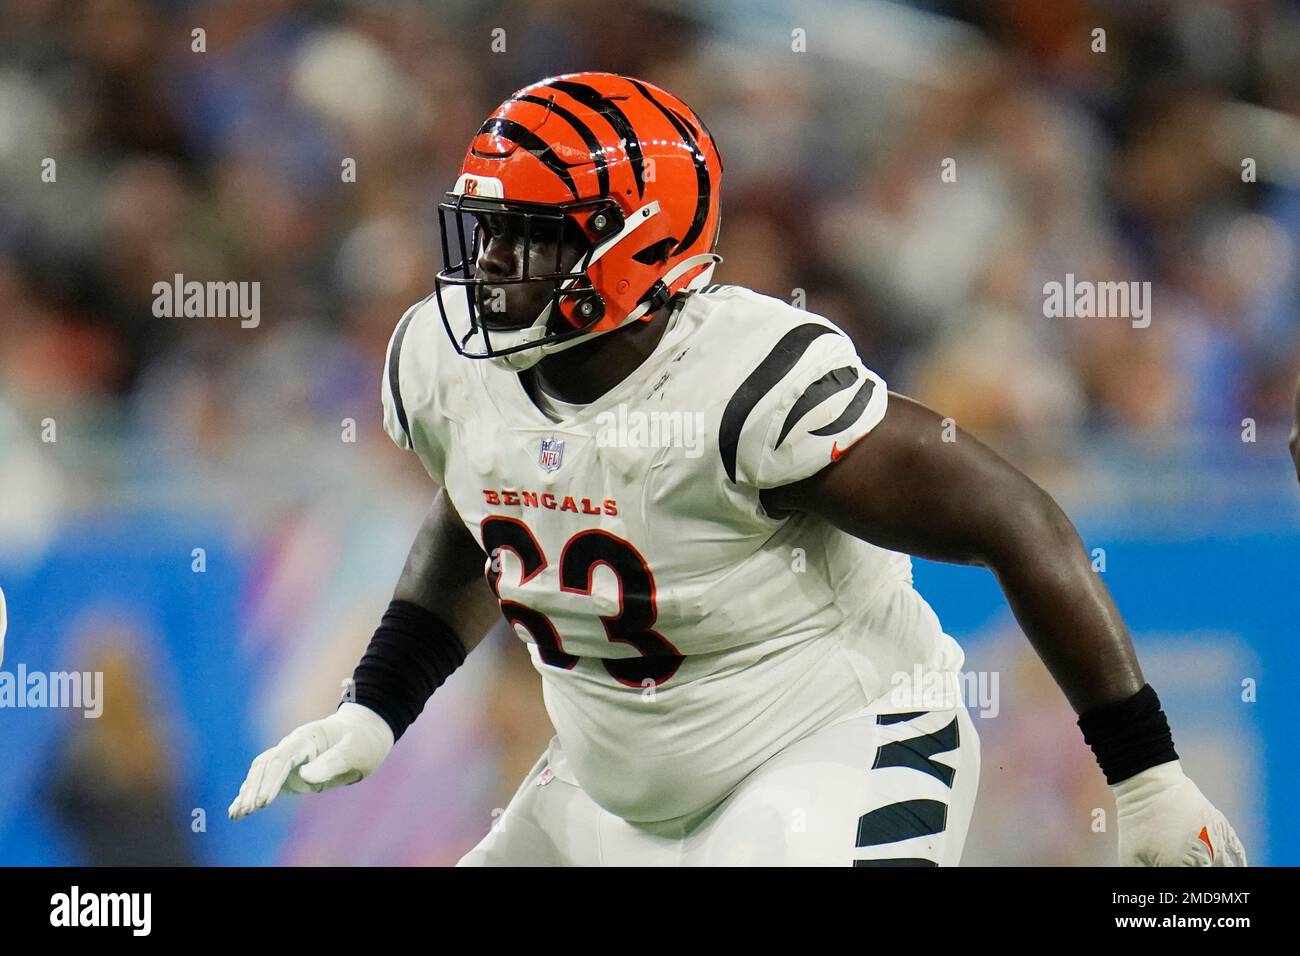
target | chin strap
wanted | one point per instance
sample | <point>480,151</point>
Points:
<point>660,291</point>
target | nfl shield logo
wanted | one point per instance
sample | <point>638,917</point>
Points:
<point>551,455</point>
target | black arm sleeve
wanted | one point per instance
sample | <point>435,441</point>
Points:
<point>409,657</point>
<point>1129,736</point>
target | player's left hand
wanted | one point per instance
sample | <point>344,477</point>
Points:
<point>1165,820</point>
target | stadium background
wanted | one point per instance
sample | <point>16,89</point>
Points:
<point>177,434</point>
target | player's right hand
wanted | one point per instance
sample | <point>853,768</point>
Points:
<point>339,749</point>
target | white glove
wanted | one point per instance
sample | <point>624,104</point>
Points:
<point>1165,820</point>
<point>339,749</point>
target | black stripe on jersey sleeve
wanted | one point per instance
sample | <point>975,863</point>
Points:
<point>394,379</point>
<point>852,412</point>
<point>783,357</point>
<point>832,383</point>
<point>902,821</point>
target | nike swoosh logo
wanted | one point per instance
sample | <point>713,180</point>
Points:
<point>1204,837</point>
<point>837,452</point>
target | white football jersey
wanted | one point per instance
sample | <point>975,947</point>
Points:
<point>683,635</point>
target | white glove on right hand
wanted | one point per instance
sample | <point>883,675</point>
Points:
<point>339,749</point>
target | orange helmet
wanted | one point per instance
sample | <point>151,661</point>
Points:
<point>627,164</point>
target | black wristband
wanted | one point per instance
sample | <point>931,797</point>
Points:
<point>409,657</point>
<point>1129,736</point>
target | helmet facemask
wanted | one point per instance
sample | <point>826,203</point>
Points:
<point>572,306</point>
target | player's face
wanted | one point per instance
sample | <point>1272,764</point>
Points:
<point>502,249</point>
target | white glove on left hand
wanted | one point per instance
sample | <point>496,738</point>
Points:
<point>1165,820</point>
<point>342,748</point>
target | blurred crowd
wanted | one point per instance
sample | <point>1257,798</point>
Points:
<point>219,155</point>
<point>140,140</point>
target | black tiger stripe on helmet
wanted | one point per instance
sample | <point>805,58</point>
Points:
<point>703,187</point>
<point>617,119</point>
<point>582,129</point>
<point>513,132</point>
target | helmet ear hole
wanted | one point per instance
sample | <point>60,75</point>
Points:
<point>656,252</point>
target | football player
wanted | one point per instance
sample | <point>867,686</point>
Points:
<point>695,504</point>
